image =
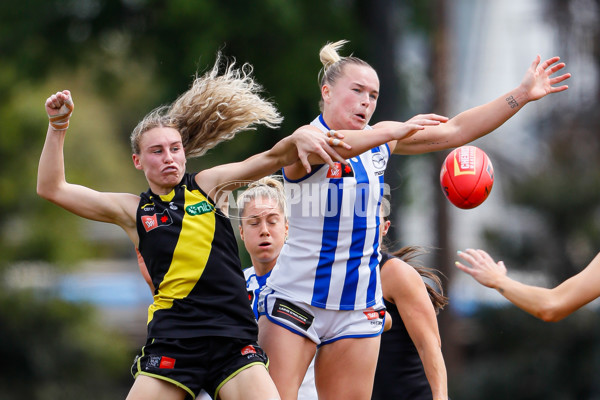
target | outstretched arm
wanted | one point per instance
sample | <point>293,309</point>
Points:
<point>481,120</point>
<point>305,147</point>
<point>305,142</point>
<point>364,140</point>
<point>403,285</point>
<point>550,305</point>
<point>118,208</point>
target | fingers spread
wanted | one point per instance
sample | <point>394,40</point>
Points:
<point>535,62</point>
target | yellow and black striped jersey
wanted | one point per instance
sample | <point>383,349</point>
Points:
<point>192,256</point>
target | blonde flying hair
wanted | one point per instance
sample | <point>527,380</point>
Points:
<point>334,64</point>
<point>269,187</point>
<point>215,108</point>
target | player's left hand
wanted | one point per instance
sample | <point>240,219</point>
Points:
<point>538,80</point>
<point>483,267</point>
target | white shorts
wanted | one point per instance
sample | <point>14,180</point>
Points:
<point>320,325</point>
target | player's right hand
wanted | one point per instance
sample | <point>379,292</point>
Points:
<point>59,108</point>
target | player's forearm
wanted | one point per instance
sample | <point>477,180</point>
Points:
<point>360,141</point>
<point>364,140</point>
<point>283,153</point>
<point>535,300</point>
<point>481,120</point>
<point>429,347</point>
<point>51,169</point>
<point>435,370</point>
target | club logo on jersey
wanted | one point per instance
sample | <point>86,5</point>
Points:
<point>161,362</point>
<point>292,313</point>
<point>340,170</point>
<point>155,220</point>
<point>199,208</point>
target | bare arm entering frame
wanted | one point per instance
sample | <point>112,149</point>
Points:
<point>550,305</point>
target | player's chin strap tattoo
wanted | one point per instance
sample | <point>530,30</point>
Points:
<point>60,121</point>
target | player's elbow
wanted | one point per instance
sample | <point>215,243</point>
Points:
<point>550,312</point>
<point>47,190</point>
<point>549,316</point>
<point>44,191</point>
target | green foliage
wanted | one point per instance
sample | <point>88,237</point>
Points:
<point>562,191</point>
<point>515,355</point>
<point>512,355</point>
<point>120,60</point>
<point>56,350</point>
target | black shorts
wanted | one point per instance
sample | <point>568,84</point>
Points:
<point>197,363</point>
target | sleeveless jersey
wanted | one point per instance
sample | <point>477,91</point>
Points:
<point>192,256</point>
<point>254,283</point>
<point>330,258</point>
<point>400,374</point>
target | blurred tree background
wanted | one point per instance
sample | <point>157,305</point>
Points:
<point>122,58</point>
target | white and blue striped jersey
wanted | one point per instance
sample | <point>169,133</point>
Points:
<point>331,256</point>
<point>254,283</point>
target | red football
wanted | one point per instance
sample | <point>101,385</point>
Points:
<point>467,177</point>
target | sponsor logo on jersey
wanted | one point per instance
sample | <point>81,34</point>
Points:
<point>148,207</point>
<point>370,313</point>
<point>378,160</point>
<point>292,313</point>
<point>156,220</point>
<point>248,350</point>
<point>199,208</point>
<point>340,170</point>
<point>167,363</point>
<point>161,362</point>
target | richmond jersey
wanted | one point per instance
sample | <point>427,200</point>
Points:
<point>191,253</point>
<point>330,258</point>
